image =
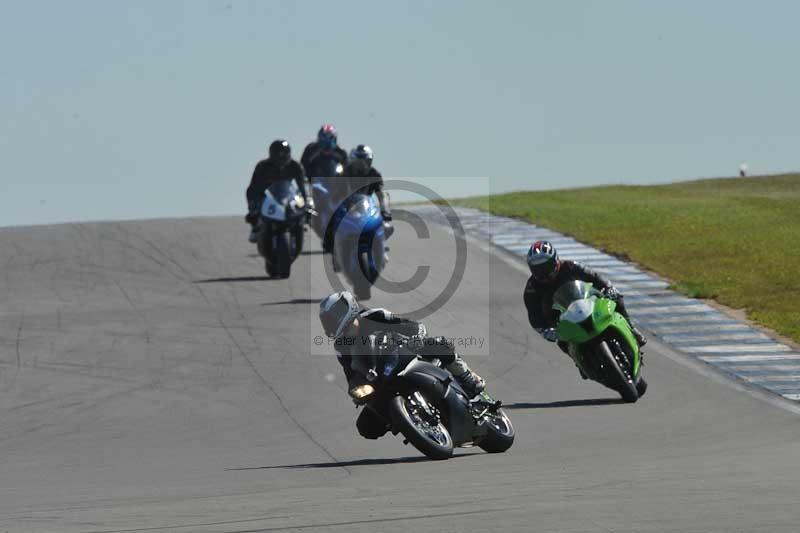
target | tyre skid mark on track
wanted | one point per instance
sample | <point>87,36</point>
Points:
<point>373,520</point>
<point>307,526</point>
<point>269,386</point>
<point>18,355</point>
<point>198,524</point>
<point>244,355</point>
<point>86,406</point>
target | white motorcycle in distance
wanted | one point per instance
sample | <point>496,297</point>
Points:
<point>280,230</point>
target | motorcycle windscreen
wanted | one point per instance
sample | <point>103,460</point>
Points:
<point>570,292</point>
<point>281,200</point>
<point>362,214</point>
<point>284,190</point>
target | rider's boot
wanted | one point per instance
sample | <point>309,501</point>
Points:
<point>471,382</point>
<point>253,234</point>
<point>388,229</point>
<point>252,219</point>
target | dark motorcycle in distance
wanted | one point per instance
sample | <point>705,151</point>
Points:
<point>425,403</point>
<point>280,229</point>
<point>324,179</point>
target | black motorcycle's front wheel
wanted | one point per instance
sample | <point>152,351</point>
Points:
<point>299,235</point>
<point>421,425</point>
<point>282,255</point>
<point>499,433</point>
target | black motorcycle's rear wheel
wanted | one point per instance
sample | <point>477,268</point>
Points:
<point>500,433</point>
<point>427,433</point>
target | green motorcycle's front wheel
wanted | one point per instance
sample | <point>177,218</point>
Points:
<point>617,363</point>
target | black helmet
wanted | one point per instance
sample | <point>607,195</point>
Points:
<point>337,311</point>
<point>280,151</point>
<point>543,261</point>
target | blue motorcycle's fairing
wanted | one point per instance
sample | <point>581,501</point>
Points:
<point>359,232</point>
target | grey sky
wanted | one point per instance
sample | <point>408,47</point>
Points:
<point>161,108</point>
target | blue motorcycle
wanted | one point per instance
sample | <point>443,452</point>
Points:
<point>359,242</point>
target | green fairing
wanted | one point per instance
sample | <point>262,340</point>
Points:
<point>603,316</point>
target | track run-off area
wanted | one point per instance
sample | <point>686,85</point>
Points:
<point>152,379</point>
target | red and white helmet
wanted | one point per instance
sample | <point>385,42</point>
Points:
<point>543,261</point>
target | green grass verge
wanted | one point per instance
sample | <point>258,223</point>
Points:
<point>734,240</point>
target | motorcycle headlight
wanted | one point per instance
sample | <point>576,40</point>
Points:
<point>362,391</point>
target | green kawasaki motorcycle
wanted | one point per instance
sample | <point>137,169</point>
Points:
<point>599,339</point>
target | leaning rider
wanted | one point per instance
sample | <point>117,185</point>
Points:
<point>364,177</point>
<point>350,325</point>
<point>548,273</point>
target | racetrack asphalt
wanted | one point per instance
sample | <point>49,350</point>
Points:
<point>151,379</point>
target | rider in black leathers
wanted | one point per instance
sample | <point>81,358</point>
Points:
<point>548,273</point>
<point>363,176</point>
<point>352,331</point>
<point>360,176</point>
<point>278,166</point>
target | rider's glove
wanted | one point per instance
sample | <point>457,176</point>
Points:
<point>380,343</point>
<point>549,334</point>
<point>251,218</point>
<point>611,293</point>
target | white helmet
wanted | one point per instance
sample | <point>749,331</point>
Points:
<point>361,159</point>
<point>362,151</point>
<point>337,311</point>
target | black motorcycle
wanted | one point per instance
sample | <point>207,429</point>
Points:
<point>425,403</point>
<point>328,191</point>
